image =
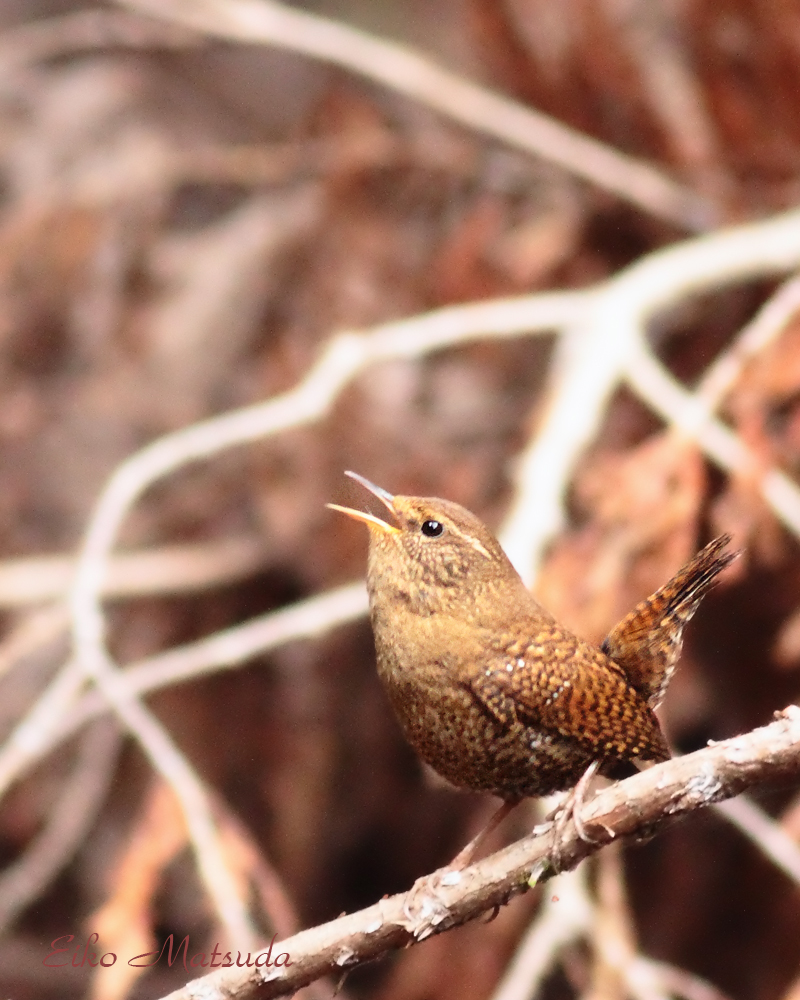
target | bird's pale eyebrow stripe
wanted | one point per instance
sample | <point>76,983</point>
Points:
<point>470,540</point>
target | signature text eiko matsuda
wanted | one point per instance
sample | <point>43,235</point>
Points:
<point>83,954</point>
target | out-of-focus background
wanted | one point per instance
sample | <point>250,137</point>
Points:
<point>184,223</point>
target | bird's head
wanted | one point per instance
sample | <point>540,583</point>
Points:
<point>433,554</point>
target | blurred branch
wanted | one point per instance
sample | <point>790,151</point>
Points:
<point>644,803</point>
<point>668,980</point>
<point>404,70</point>
<point>29,738</point>
<point>35,630</point>
<point>73,813</point>
<point>765,833</point>
<point>608,344</point>
<point>275,900</point>
<point>689,414</point>
<point>765,327</point>
<point>654,39</point>
<point>188,787</point>
<point>227,648</point>
<point>57,715</point>
<point>562,919</point>
<point>250,859</point>
<point>53,37</point>
<point>172,569</point>
<point>613,937</point>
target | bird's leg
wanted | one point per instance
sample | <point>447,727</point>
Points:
<point>466,854</point>
<point>579,797</point>
<point>427,888</point>
<point>570,809</point>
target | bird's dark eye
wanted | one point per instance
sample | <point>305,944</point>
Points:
<point>432,528</point>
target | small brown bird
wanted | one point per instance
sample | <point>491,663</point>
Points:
<point>490,690</point>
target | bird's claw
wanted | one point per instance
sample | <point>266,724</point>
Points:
<point>424,908</point>
<point>570,809</point>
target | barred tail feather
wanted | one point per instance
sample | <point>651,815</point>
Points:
<point>646,644</point>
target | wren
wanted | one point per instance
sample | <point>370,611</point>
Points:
<point>490,690</point>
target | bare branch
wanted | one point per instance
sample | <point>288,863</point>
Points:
<point>171,569</point>
<point>227,648</point>
<point>72,815</point>
<point>768,323</point>
<point>188,787</point>
<point>765,833</point>
<point>688,413</point>
<point>642,804</point>
<point>672,981</point>
<point>407,72</point>
<point>33,631</point>
<point>607,344</point>
<point>85,30</point>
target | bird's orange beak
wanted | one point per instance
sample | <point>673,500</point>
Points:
<point>361,515</point>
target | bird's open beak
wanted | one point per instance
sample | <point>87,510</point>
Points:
<point>361,515</point>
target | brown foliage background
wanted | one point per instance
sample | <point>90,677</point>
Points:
<point>182,227</point>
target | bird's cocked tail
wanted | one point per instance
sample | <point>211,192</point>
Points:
<point>647,642</point>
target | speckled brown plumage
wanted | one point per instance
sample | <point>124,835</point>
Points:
<point>647,642</point>
<point>490,690</point>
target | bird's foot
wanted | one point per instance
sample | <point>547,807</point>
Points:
<point>424,907</point>
<point>570,809</point>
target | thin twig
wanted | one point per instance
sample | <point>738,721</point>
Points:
<point>171,764</point>
<point>231,647</point>
<point>647,974</point>
<point>408,72</point>
<point>653,39</point>
<point>275,900</point>
<point>768,324</point>
<point>31,633</point>
<point>74,811</point>
<point>29,739</point>
<point>765,833</point>
<point>682,409</point>
<point>613,937</point>
<point>644,802</point>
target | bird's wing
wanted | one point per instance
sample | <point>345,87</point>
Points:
<point>560,684</point>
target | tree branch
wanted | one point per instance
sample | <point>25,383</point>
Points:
<point>407,71</point>
<point>644,804</point>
